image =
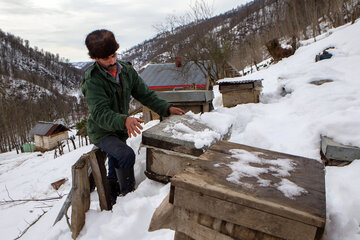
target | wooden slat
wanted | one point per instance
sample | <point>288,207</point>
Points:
<point>231,99</point>
<point>166,216</point>
<point>163,216</point>
<point>80,194</point>
<point>181,236</point>
<point>186,222</point>
<point>167,163</point>
<point>235,87</point>
<point>176,147</point>
<point>182,220</point>
<point>242,215</point>
<point>97,161</point>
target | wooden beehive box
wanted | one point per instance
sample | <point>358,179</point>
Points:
<point>211,199</point>
<point>197,101</point>
<point>168,154</point>
<point>240,92</point>
<point>336,154</point>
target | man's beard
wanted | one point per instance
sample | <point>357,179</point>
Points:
<point>110,67</point>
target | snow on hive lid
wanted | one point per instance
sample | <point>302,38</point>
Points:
<point>237,81</point>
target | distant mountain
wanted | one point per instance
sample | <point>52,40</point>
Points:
<point>82,65</point>
<point>34,85</point>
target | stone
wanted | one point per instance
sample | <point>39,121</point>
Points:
<point>334,153</point>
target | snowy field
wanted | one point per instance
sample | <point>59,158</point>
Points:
<point>291,124</point>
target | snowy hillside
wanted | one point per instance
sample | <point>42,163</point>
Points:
<point>292,115</point>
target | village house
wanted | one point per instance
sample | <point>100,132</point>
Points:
<point>170,76</point>
<point>48,135</point>
<point>184,85</point>
<point>178,76</point>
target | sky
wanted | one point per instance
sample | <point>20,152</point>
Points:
<point>61,26</point>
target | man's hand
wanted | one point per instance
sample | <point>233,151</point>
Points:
<point>133,126</point>
<point>176,111</point>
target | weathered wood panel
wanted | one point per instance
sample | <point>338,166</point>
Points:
<point>157,136</point>
<point>195,225</point>
<point>168,155</point>
<point>97,161</point>
<point>242,215</point>
<point>310,173</point>
<point>80,194</point>
<point>210,181</point>
<point>233,98</point>
<point>338,154</point>
<point>166,163</point>
<point>261,198</point>
<point>235,87</point>
<point>181,236</point>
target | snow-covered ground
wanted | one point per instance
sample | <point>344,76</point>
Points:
<point>292,124</point>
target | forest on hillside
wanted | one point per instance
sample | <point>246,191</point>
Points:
<point>239,37</point>
<point>34,86</point>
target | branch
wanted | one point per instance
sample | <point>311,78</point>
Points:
<point>31,200</point>
<point>8,192</point>
<point>30,225</point>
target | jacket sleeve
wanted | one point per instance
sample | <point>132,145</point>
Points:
<point>99,106</point>
<point>147,97</point>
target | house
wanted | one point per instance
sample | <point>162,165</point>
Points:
<point>170,76</point>
<point>48,135</point>
<point>177,76</point>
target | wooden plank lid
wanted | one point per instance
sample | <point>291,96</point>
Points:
<point>181,133</point>
<point>280,184</point>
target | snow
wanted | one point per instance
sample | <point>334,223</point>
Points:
<point>279,168</point>
<point>201,138</point>
<point>290,123</point>
<point>290,189</point>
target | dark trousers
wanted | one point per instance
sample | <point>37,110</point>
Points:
<point>119,154</point>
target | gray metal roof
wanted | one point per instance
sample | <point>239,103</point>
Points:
<point>167,74</point>
<point>46,129</point>
<point>187,96</point>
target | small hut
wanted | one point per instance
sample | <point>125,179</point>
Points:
<point>236,92</point>
<point>48,135</point>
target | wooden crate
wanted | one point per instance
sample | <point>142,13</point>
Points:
<point>202,198</point>
<point>241,92</point>
<point>167,155</point>
<point>336,154</point>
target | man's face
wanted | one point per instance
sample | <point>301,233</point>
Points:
<point>109,63</point>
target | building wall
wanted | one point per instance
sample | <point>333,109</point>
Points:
<point>50,142</point>
<point>39,141</point>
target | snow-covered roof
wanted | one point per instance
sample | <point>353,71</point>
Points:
<point>47,129</point>
<point>237,80</point>
<point>167,74</point>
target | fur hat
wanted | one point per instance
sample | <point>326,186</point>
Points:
<point>101,43</point>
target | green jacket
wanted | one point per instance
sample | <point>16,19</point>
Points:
<point>108,101</point>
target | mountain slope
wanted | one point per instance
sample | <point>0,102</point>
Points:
<point>34,85</point>
<point>239,36</point>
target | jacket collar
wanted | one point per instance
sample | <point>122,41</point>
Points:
<point>104,73</point>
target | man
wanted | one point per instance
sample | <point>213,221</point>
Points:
<point>107,87</point>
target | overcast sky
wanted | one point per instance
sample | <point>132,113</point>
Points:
<point>60,26</point>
